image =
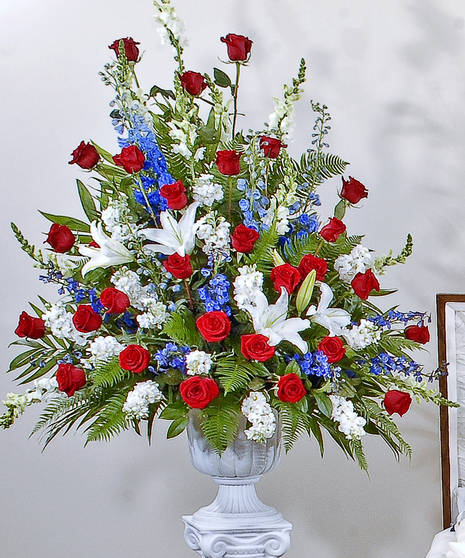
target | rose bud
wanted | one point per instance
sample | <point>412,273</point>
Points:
<point>309,263</point>
<point>291,388</point>
<point>31,327</point>
<point>86,320</point>
<point>134,358</point>
<point>332,347</point>
<point>179,266</point>
<point>198,391</point>
<point>364,283</point>
<point>115,301</point>
<point>130,48</point>
<point>228,162</point>
<point>85,155</point>
<point>397,402</point>
<point>286,276</point>
<point>175,194</point>
<point>243,238</point>
<point>271,146</point>
<point>353,190</point>
<point>238,46</point>
<point>214,326</point>
<point>255,347</point>
<point>60,238</point>
<point>333,229</point>
<point>420,333</point>
<point>193,82</point>
<point>70,378</point>
<point>131,159</point>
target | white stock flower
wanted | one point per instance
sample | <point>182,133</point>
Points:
<point>358,261</point>
<point>198,362</point>
<point>111,252</point>
<point>206,192</point>
<point>104,348</point>
<point>350,423</point>
<point>127,281</point>
<point>155,316</point>
<point>260,414</point>
<point>246,285</point>
<point>138,400</point>
<point>60,321</point>
<point>362,335</point>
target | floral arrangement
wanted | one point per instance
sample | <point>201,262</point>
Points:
<point>207,279</point>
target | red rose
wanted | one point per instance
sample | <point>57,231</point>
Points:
<point>179,266</point>
<point>175,194</point>
<point>333,229</point>
<point>420,334</point>
<point>130,49</point>
<point>214,326</point>
<point>131,159</point>
<point>286,276</point>
<point>364,283</point>
<point>198,391</point>
<point>332,347</point>
<point>70,378</point>
<point>310,262</point>
<point>85,155</point>
<point>228,162</point>
<point>255,347</point>
<point>244,238</point>
<point>115,301</point>
<point>238,47</point>
<point>86,320</point>
<point>271,146</point>
<point>134,358</point>
<point>193,82</point>
<point>353,190</point>
<point>28,326</point>
<point>60,238</point>
<point>397,402</point>
<point>291,388</point>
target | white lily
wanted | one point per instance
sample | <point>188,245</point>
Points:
<point>333,319</point>
<point>174,236</point>
<point>270,320</point>
<point>111,252</point>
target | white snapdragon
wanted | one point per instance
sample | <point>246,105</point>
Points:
<point>358,261</point>
<point>362,335</point>
<point>260,414</point>
<point>246,285</point>
<point>198,362</point>
<point>350,423</point>
<point>138,400</point>
<point>168,17</point>
<point>206,192</point>
<point>215,234</point>
<point>60,322</point>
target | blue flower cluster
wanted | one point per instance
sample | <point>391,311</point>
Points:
<point>315,364</point>
<point>53,276</point>
<point>216,295</point>
<point>393,316</point>
<point>385,363</point>
<point>301,227</point>
<point>81,294</point>
<point>253,205</point>
<point>127,322</point>
<point>171,356</point>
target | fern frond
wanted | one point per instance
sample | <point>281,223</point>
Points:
<point>262,254</point>
<point>110,421</point>
<point>294,422</point>
<point>109,373</point>
<point>181,327</point>
<point>234,374</point>
<point>297,248</point>
<point>219,422</point>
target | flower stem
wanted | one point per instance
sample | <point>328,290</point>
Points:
<point>319,247</point>
<point>189,294</point>
<point>236,89</point>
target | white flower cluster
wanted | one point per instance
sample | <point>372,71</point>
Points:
<point>215,234</point>
<point>127,281</point>
<point>206,192</point>
<point>168,17</point>
<point>60,321</point>
<point>350,423</point>
<point>65,263</point>
<point>362,335</point>
<point>102,349</point>
<point>260,414</point>
<point>198,362</point>
<point>185,133</point>
<point>43,388</point>
<point>138,400</point>
<point>358,261</point>
<point>283,117</point>
<point>246,284</point>
<point>116,217</point>
<point>155,316</point>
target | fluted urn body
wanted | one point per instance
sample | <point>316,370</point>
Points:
<point>237,522</point>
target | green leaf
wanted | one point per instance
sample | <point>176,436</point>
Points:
<point>305,292</point>
<point>316,431</point>
<point>324,403</point>
<point>174,411</point>
<point>22,359</point>
<point>292,368</point>
<point>72,223</point>
<point>166,93</point>
<point>108,374</point>
<point>87,202</point>
<point>340,209</point>
<point>221,78</point>
<point>176,427</point>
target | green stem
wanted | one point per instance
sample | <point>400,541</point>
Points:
<point>149,207</point>
<point>189,294</point>
<point>319,247</point>
<point>230,189</point>
<point>236,89</point>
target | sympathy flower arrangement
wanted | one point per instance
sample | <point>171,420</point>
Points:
<point>207,278</point>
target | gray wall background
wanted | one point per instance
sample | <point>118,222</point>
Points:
<point>392,73</point>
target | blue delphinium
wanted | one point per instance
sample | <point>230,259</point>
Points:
<point>393,316</point>
<point>215,295</point>
<point>385,363</point>
<point>315,364</point>
<point>171,356</point>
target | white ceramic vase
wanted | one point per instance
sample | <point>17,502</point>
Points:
<point>237,523</point>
